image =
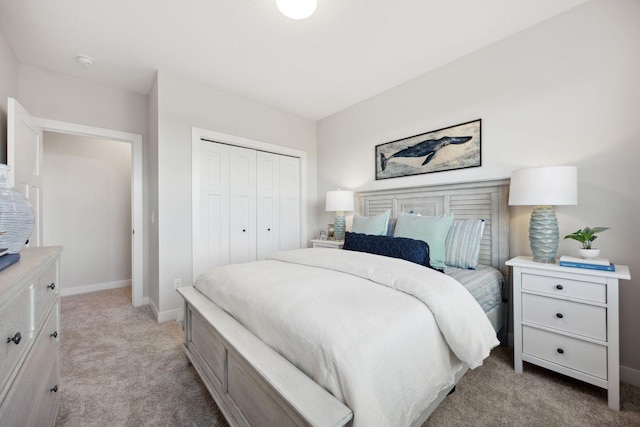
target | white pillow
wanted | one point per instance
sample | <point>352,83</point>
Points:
<point>375,225</point>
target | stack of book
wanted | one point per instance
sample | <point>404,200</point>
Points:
<point>7,259</point>
<point>591,263</point>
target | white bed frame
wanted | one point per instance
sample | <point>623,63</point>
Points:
<point>254,386</point>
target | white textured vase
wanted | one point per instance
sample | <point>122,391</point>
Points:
<point>16,215</point>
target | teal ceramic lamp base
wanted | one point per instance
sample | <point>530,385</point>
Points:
<point>543,234</point>
<point>339,226</point>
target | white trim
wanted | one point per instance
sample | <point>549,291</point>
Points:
<point>630,375</point>
<point>94,288</point>
<point>137,241</point>
<point>165,316</point>
<point>198,134</point>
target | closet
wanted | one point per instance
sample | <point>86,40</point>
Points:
<point>249,204</point>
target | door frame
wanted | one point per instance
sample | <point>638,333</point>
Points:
<point>137,194</point>
<point>197,135</point>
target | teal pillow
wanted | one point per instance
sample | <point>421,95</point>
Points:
<point>430,229</point>
<point>375,225</point>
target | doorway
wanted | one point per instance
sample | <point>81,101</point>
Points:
<point>136,230</point>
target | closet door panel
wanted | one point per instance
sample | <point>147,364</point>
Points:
<point>213,242</point>
<point>289,203</point>
<point>242,205</point>
<point>268,193</point>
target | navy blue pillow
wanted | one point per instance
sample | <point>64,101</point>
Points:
<point>416,251</point>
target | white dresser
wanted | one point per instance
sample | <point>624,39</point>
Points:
<point>29,323</point>
<point>566,320</point>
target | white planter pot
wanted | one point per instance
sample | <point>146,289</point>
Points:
<point>589,253</point>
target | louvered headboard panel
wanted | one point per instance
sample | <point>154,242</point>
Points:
<point>471,200</point>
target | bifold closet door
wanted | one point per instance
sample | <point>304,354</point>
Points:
<point>249,205</point>
<point>268,203</point>
<point>242,205</point>
<point>289,203</point>
<point>278,215</point>
<point>212,242</point>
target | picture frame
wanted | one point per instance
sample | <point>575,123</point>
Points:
<point>450,148</point>
<point>330,232</point>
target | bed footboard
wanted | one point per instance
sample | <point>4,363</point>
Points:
<point>251,383</point>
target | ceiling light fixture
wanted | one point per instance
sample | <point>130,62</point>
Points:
<point>297,9</point>
<point>85,60</point>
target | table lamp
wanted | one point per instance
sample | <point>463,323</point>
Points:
<point>339,201</point>
<point>544,187</point>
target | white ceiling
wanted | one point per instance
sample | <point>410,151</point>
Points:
<point>348,51</point>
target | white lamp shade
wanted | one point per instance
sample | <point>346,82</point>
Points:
<point>339,201</point>
<point>547,185</point>
<point>297,9</point>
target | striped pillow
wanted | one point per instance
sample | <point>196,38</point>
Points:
<point>462,245</point>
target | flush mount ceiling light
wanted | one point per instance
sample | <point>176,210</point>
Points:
<point>85,60</point>
<point>297,9</point>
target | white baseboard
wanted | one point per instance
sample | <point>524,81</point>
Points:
<point>630,376</point>
<point>95,287</point>
<point>165,316</point>
<point>154,309</point>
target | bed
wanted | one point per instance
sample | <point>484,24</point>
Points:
<point>253,384</point>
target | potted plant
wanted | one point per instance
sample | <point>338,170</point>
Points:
<point>586,236</point>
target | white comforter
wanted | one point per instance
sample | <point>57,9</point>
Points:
<point>383,335</point>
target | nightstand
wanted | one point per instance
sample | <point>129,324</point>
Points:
<point>566,320</point>
<point>333,244</point>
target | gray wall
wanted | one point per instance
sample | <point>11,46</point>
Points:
<point>565,91</point>
<point>8,88</point>
<point>87,210</point>
<point>183,104</point>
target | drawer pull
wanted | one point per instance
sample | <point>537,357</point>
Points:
<point>16,338</point>
<point>54,334</point>
<point>559,287</point>
<point>268,229</point>
<point>55,388</point>
<point>52,286</point>
<point>561,351</point>
<point>559,315</point>
<point>244,230</point>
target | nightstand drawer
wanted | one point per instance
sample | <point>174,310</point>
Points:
<point>569,352</point>
<point>583,289</point>
<point>581,319</point>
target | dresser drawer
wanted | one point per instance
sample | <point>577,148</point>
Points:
<point>581,319</point>
<point>23,396</point>
<point>49,399</point>
<point>43,293</point>
<point>15,315</point>
<point>590,290</point>
<point>569,352</point>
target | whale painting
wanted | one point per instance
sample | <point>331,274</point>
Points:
<point>454,147</point>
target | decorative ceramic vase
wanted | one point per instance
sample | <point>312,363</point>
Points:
<point>589,253</point>
<point>16,215</point>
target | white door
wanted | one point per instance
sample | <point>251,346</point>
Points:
<point>212,242</point>
<point>242,205</point>
<point>24,156</point>
<point>289,203</point>
<point>268,205</point>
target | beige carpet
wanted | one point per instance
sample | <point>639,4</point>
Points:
<point>121,368</point>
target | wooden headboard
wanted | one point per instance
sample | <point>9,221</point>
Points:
<point>468,200</point>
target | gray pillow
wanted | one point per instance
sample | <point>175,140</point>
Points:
<point>462,244</point>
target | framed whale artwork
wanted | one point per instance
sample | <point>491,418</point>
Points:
<point>453,147</point>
